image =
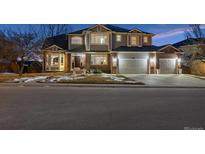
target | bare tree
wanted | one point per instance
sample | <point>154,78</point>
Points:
<point>26,44</point>
<point>196,35</point>
<point>7,49</point>
<point>50,30</point>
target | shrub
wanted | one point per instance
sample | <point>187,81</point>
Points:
<point>198,67</point>
<point>95,71</point>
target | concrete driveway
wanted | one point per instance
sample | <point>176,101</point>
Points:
<point>181,80</point>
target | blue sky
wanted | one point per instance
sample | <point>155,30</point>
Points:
<point>164,33</point>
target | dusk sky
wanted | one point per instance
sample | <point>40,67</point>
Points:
<point>164,33</point>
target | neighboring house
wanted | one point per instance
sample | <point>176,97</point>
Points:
<point>8,66</point>
<point>112,50</point>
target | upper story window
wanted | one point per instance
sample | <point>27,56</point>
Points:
<point>118,38</point>
<point>77,40</point>
<point>100,39</point>
<point>145,39</point>
<point>135,40</point>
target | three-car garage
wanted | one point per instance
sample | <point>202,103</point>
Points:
<point>149,60</point>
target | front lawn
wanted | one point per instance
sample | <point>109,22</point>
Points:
<point>100,79</point>
<point>68,78</point>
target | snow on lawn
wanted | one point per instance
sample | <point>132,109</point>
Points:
<point>49,79</point>
<point>70,77</point>
<point>30,79</point>
<point>7,73</point>
<point>113,77</point>
<point>64,78</point>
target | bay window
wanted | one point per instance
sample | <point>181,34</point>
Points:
<point>55,62</point>
<point>99,60</point>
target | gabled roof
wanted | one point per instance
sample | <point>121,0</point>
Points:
<point>110,27</point>
<point>116,28</point>
<point>59,40</point>
<point>161,48</point>
<point>190,41</point>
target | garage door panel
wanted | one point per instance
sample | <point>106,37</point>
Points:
<point>133,66</point>
<point>167,66</point>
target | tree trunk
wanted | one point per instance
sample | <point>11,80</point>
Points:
<point>22,68</point>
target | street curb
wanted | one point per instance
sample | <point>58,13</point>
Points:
<point>89,85</point>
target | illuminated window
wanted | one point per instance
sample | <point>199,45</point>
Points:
<point>145,39</point>
<point>118,38</point>
<point>99,39</point>
<point>99,59</point>
<point>55,61</point>
<point>76,40</point>
<point>135,40</point>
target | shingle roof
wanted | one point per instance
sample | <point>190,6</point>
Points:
<point>78,49</point>
<point>116,28</point>
<point>143,48</point>
<point>79,31</point>
<point>190,41</point>
<point>59,40</point>
<point>111,27</point>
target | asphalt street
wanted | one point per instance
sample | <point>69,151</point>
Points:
<point>101,108</point>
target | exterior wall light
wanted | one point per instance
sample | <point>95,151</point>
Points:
<point>152,61</point>
<point>114,61</point>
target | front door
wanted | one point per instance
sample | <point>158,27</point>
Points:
<point>77,61</point>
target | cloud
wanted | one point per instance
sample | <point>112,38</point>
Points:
<point>174,32</point>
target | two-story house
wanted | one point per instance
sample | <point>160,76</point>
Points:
<point>111,49</point>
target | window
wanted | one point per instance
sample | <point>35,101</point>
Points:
<point>61,60</point>
<point>135,40</point>
<point>99,39</point>
<point>145,39</point>
<point>55,61</point>
<point>99,59</point>
<point>118,38</point>
<point>76,40</point>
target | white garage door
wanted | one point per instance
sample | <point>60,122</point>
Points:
<point>133,66</point>
<point>167,66</point>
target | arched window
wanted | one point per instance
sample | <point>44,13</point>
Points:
<point>55,61</point>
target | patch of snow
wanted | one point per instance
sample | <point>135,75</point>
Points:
<point>7,73</point>
<point>38,78</point>
<point>130,81</point>
<point>30,79</point>
<point>113,77</point>
<point>64,78</point>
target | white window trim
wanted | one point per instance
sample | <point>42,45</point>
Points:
<point>105,56</point>
<point>97,43</point>
<point>77,43</point>
<point>118,36</point>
